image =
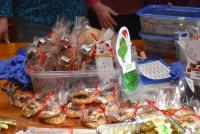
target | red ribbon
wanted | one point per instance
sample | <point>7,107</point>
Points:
<point>168,113</point>
<point>51,34</point>
<point>40,55</point>
<point>87,59</point>
<point>115,90</point>
<point>58,39</point>
<point>64,109</point>
<point>97,91</point>
<point>82,108</point>
<point>72,55</point>
<point>136,108</point>
<point>45,100</point>
<point>67,45</point>
<point>194,115</point>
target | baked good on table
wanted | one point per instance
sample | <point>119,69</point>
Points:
<point>21,98</point>
<point>68,59</point>
<point>54,120</point>
<point>31,108</point>
<point>72,110</point>
<point>82,97</point>
<point>93,118</point>
<point>50,111</point>
<point>85,36</point>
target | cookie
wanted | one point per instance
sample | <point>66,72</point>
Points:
<point>49,112</point>
<point>55,120</point>
<point>21,99</point>
<point>31,109</point>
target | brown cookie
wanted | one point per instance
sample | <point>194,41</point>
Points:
<point>21,99</point>
<point>93,118</point>
<point>81,97</point>
<point>49,112</point>
<point>95,124</point>
<point>55,120</point>
<point>73,113</point>
<point>31,109</point>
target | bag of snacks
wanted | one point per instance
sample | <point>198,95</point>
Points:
<point>93,116</point>
<point>52,111</point>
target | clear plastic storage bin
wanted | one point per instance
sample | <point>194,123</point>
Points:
<point>60,81</point>
<point>163,46</point>
<point>165,20</point>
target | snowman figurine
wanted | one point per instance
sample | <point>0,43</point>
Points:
<point>103,56</point>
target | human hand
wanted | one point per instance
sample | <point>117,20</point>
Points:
<point>4,29</point>
<point>104,15</point>
<point>169,4</point>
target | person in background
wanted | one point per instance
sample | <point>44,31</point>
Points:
<point>36,17</point>
<point>118,13</point>
<point>115,14</point>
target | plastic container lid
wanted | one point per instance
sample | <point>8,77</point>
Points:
<point>156,37</point>
<point>173,12</point>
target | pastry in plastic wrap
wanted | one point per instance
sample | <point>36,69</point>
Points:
<point>82,97</point>
<point>68,59</point>
<point>52,109</point>
<point>72,111</point>
<point>31,108</point>
<point>85,36</point>
<point>93,116</point>
<point>121,113</point>
<point>55,120</point>
<point>51,113</point>
<point>20,99</point>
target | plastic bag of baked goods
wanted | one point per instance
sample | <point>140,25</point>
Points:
<point>190,55</point>
<point>98,53</point>
<point>192,119</point>
<point>83,95</point>
<point>52,112</point>
<point>79,24</point>
<point>47,108</point>
<point>35,105</point>
<point>42,49</point>
<point>169,103</point>
<point>121,112</point>
<point>93,116</point>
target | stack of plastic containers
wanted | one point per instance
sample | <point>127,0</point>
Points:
<point>159,23</point>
